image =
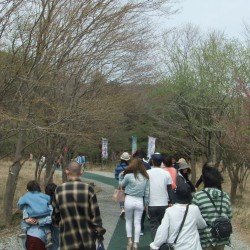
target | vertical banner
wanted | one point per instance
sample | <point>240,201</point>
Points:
<point>104,149</point>
<point>134,144</point>
<point>151,146</point>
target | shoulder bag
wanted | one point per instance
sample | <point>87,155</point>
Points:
<point>221,228</point>
<point>170,246</point>
<point>118,195</point>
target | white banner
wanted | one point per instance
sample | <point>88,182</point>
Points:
<point>104,148</point>
<point>151,146</point>
<point>134,144</point>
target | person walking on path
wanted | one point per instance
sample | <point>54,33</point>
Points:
<point>36,207</point>
<point>135,181</point>
<point>200,180</point>
<point>76,212</point>
<point>212,179</point>
<point>168,166</point>
<point>170,230</point>
<point>125,157</point>
<point>160,183</point>
<point>141,154</point>
<point>183,175</point>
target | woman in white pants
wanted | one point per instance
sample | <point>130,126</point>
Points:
<point>135,181</point>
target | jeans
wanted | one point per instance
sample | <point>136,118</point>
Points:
<point>133,212</point>
<point>156,213</point>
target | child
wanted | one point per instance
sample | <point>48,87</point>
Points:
<point>35,205</point>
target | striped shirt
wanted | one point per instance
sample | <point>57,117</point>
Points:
<point>78,215</point>
<point>209,213</point>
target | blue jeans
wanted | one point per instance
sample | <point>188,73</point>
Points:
<point>156,213</point>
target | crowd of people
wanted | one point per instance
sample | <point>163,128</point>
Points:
<point>67,216</point>
<point>180,216</point>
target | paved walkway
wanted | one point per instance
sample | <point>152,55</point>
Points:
<point>115,237</point>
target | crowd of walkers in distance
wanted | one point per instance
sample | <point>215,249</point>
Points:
<point>180,217</point>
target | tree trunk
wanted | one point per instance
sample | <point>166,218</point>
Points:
<point>11,183</point>
<point>233,191</point>
<point>193,167</point>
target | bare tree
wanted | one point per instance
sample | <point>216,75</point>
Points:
<point>55,49</point>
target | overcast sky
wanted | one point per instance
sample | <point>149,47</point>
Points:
<point>225,15</point>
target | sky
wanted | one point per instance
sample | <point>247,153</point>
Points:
<point>224,15</point>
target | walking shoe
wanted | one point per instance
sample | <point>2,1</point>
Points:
<point>23,233</point>
<point>49,243</point>
<point>129,246</point>
<point>141,233</point>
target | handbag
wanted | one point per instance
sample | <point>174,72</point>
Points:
<point>170,246</point>
<point>119,195</point>
<point>221,228</point>
<point>100,245</point>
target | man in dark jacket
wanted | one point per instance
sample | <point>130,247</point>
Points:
<point>76,212</point>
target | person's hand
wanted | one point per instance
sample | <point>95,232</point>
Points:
<point>31,221</point>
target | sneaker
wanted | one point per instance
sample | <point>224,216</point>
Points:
<point>23,233</point>
<point>49,243</point>
<point>141,233</point>
<point>122,213</point>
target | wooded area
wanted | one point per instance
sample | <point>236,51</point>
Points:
<point>75,71</point>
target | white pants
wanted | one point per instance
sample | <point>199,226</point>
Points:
<point>133,210</point>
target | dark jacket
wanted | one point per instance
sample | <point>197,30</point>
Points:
<point>120,168</point>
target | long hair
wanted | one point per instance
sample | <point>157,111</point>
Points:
<point>136,166</point>
<point>50,190</point>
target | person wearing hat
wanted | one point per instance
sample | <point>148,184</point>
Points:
<point>119,168</point>
<point>183,175</point>
<point>159,194</point>
<point>167,232</point>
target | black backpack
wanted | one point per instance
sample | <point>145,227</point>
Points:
<point>221,228</point>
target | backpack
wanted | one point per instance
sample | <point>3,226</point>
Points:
<point>221,228</point>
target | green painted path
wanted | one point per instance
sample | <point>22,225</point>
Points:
<point>119,240</point>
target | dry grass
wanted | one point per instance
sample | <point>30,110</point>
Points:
<point>241,211</point>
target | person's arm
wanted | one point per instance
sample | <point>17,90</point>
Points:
<point>161,236</point>
<point>21,202</point>
<point>146,194</point>
<point>200,222</point>
<point>197,184</point>
<point>123,180</point>
<point>169,189</point>
<point>56,212</point>
<point>95,214</point>
<point>25,214</point>
<point>116,173</point>
<point>45,220</point>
